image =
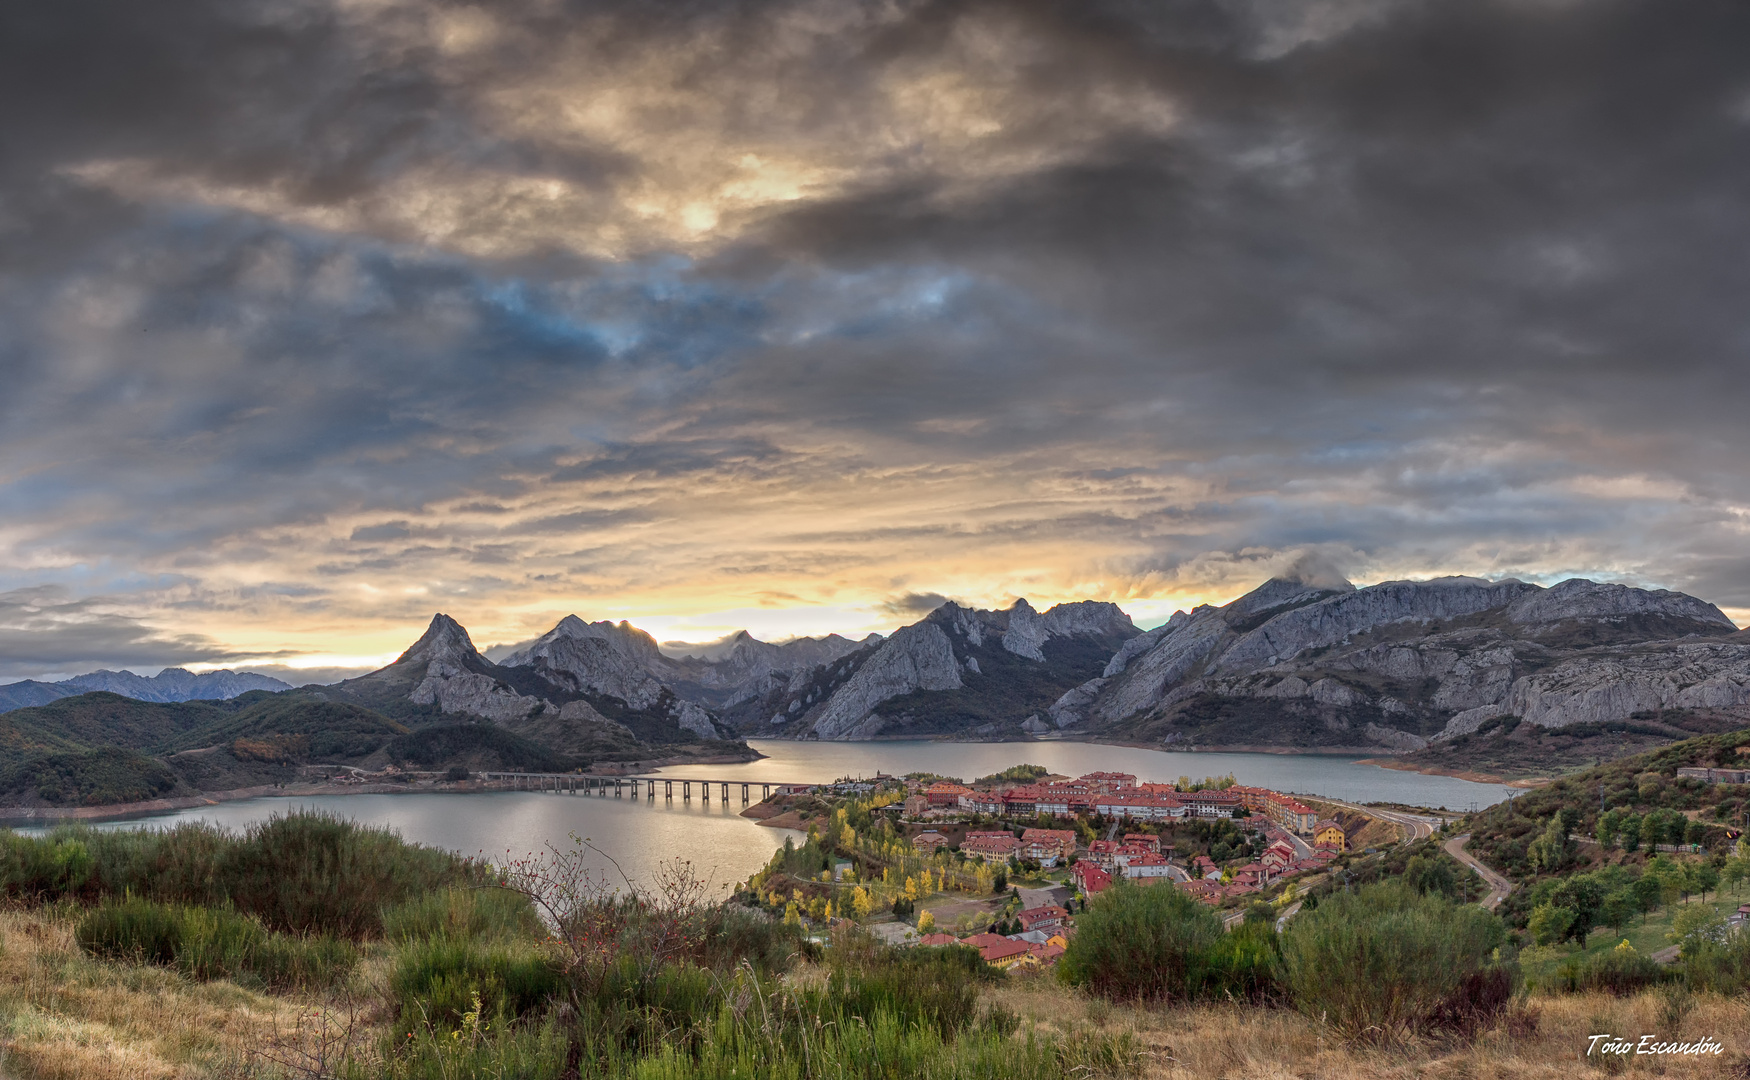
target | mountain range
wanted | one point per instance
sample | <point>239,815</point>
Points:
<point>1440,672</point>
<point>171,684</point>
<point>1394,667</point>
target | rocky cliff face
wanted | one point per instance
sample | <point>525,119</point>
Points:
<point>1395,665</point>
<point>573,679</point>
<point>957,671</point>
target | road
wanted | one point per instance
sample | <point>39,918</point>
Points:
<point>1499,886</point>
<point>1415,826</point>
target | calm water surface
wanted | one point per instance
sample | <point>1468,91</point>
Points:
<point>726,848</point>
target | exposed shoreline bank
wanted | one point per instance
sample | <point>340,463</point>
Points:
<point>1457,774</point>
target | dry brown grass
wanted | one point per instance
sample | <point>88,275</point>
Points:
<point>64,1016</point>
<point>1211,1041</point>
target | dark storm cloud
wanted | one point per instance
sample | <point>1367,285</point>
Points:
<point>922,292</point>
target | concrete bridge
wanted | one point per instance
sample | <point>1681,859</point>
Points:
<point>635,786</point>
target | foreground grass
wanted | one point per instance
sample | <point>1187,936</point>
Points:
<point>1549,1039</point>
<point>64,1015</point>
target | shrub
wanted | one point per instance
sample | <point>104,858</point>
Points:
<point>935,987</point>
<point>1619,971</point>
<point>211,943</point>
<point>1245,965</point>
<point>1382,962</point>
<point>1142,943</point>
<point>42,869</point>
<point>436,980</point>
<point>1720,966</point>
<point>137,930</point>
<point>480,914</point>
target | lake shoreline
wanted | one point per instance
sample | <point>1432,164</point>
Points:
<point>55,815</point>
<point>1458,774</point>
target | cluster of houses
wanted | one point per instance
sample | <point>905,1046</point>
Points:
<point>1114,795</point>
<point>1045,934</point>
<point>1139,857</point>
<point>1047,847</point>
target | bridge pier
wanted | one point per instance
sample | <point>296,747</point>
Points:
<point>668,790</point>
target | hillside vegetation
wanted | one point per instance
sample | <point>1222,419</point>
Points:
<point>100,748</point>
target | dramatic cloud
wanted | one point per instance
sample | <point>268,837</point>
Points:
<point>319,315</point>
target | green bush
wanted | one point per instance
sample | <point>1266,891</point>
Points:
<point>1617,971</point>
<point>1245,965</point>
<point>935,987</point>
<point>435,980</point>
<point>480,914</point>
<point>300,873</point>
<point>1384,961</point>
<point>136,930</point>
<point>211,943</point>
<point>1143,943</point>
<point>1722,967</point>
<point>43,869</point>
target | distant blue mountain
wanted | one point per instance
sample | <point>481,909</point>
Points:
<point>171,684</point>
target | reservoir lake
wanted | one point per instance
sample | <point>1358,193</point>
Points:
<point>724,847</point>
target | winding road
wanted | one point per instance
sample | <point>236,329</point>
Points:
<point>1415,826</point>
<point>1499,886</point>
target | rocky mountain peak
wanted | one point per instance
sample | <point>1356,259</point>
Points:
<point>444,639</point>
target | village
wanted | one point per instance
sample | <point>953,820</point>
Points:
<point>1002,864</point>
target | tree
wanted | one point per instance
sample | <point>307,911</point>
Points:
<point>1549,924</point>
<point>792,917</point>
<point>1550,851</point>
<point>1619,907</point>
<point>926,922</point>
<point>861,902</point>
<point>911,888</point>
<point>1703,879</point>
<point>1609,823</point>
<point>1430,875</point>
<point>1695,925</point>
<point>848,838</point>
<point>1628,832</point>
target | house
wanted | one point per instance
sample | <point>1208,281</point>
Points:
<point>1330,835</point>
<point>916,806</point>
<point>1108,781</point>
<point>1147,840</point>
<point>1279,854</point>
<point>1714,776</point>
<point>1212,804</point>
<point>990,846</point>
<point>1005,952</point>
<point>938,939</point>
<point>1090,879</point>
<point>1047,953</point>
<point>929,842</point>
<point>1048,846</point>
<point>945,794</point>
<point>1146,866</point>
<point>1290,813</point>
<point>1104,853</point>
<point>1048,917</point>
<point>1210,892</point>
<point>1255,874</point>
<point>1138,807</point>
<point>981,802</point>
<point>1204,867</point>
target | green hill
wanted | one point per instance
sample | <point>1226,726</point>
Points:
<point>1633,789</point>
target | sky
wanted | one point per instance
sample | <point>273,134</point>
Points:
<point>320,316</point>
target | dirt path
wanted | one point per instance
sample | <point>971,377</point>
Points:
<point>1499,886</point>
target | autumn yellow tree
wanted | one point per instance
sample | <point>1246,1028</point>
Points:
<point>926,923</point>
<point>861,902</point>
<point>792,917</point>
<point>911,888</point>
